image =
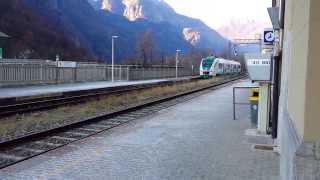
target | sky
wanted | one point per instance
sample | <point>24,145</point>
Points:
<point>217,13</point>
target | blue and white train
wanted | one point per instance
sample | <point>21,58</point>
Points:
<point>213,66</point>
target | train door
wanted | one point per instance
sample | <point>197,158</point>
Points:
<point>214,69</point>
<point>223,68</point>
<point>227,68</point>
<point>220,68</point>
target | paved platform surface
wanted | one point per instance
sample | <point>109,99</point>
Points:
<point>57,88</point>
<point>195,140</point>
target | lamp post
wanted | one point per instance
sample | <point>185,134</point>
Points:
<point>192,68</point>
<point>177,61</point>
<point>112,65</point>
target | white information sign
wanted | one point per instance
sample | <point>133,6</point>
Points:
<point>66,64</point>
<point>259,66</point>
<point>258,62</point>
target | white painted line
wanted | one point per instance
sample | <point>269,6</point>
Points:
<point>29,149</point>
<point>12,157</point>
<point>64,138</point>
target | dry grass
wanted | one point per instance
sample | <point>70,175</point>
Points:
<point>21,125</point>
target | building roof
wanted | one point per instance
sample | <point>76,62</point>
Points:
<point>3,35</point>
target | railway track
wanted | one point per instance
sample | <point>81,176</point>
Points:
<point>24,148</point>
<point>13,106</point>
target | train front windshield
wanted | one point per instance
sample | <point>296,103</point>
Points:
<point>207,63</point>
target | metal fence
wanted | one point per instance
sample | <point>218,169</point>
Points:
<point>33,72</point>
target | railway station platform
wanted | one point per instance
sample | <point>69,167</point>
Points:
<point>197,139</point>
<point>39,90</point>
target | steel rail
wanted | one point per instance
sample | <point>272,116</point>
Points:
<point>47,103</point>
<point>96,119</point>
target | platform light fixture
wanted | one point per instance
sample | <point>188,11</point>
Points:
<point>177,61</point>
<point>112,64</point>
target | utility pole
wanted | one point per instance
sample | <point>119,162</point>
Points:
<point>177,61</point>
<point>112,64</point>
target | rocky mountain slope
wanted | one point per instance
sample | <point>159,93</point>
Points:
<point>243,29</point>
<point>194,31</point>
<point>92,29</point>
<point>82,29</point>
<point>32,36</point>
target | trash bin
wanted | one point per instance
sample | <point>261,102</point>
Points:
<point>254,107</point>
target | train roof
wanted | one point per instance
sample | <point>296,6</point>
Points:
<point>209,58</point>
<point>221,60</point>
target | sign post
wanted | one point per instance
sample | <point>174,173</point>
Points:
<point>268,37</point>
<point>259,69</point>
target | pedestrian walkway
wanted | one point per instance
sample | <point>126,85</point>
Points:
<point>190,141</point>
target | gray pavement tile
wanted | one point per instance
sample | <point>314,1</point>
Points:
<point>196,140</point>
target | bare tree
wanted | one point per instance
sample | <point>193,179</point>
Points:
<point>224,53</point>
<point>146,47</point>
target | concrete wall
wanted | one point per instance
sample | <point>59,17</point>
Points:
<point>312,106</point>
<point>299,110</point>
<point>297,29</point>
<point>301,55</point>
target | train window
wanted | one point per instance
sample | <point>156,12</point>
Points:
<point>207,63</point>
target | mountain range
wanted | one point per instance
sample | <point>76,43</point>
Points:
<point>243,29</point>
<point>82,29</point>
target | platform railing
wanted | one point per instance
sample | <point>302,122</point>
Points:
<point>15,73</point>
<point>236,102</point>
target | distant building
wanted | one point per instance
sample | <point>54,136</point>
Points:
<point>3,35</point>
<point>3,38</point>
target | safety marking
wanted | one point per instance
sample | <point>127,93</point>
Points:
<point>29,149</point>
<point>126,118</point>
<point>47,143</point>
<point>137,115</point>
<point>118,121</point>
<point>76,133</point>
<point>103,126</point>
<point>87,129</point>
<point>63,138</point>
<point>12,157</point>
<point>134,115</point>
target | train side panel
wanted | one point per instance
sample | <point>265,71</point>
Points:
<point>219,66</point>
